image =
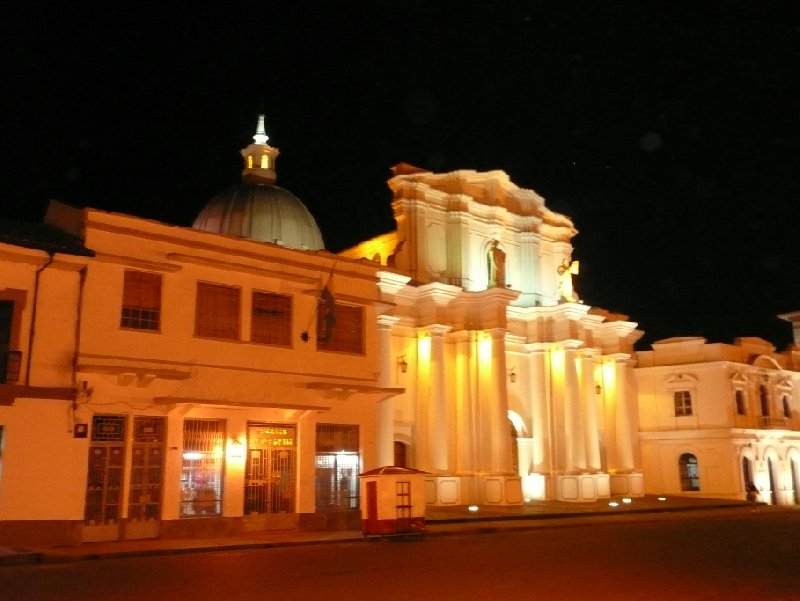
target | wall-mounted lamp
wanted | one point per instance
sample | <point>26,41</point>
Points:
<point>597,389</point>
<point>512,375</point>
<point>402,363</point>
<point>236,450</point>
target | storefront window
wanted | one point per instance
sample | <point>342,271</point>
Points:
<point>337,467</point>
<point>203,462</point>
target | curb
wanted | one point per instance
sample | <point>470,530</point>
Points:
<point>449,527</point>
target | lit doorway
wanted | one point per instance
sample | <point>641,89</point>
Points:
<point>270,471</point>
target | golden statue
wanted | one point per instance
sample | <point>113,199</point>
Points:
<point>497,265</point>
<point>565,272</point>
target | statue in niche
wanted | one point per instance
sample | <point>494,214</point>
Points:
<point>497,266</point>
<point>565,272</point>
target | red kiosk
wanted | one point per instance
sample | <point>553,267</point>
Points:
<point>393,501</point>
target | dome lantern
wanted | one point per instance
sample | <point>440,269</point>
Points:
<point>259,158</point>
<point>257,209</point>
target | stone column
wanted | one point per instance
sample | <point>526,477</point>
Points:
<point>539,382</point>
<point>575,443</point>
<point>388,368</point>
<point>590,422</point>
<point>496,405</point>
<point>438,430</point>
<point>465,390</point>
<point>625,454</point>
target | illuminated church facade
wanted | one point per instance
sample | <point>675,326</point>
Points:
<point>162,381</point>
<point>513,389</point>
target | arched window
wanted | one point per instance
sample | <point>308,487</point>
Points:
<point>690,476</point>
<point>787,407</point>
<point>264,161</point>
<point>250,161</point>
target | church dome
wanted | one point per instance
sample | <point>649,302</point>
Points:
<point>261,212</point>
<point>257,209</point>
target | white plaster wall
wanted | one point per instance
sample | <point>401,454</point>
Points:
<point>44,467</point>
<point>54,337</point>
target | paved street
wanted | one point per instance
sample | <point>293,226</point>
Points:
<point>721,554</point>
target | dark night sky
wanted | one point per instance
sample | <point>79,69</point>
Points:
<point>668,131</point>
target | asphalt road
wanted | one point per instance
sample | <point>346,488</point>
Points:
<point>716,555</point>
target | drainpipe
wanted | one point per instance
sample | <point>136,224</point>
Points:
<point>79,314</point>
<point>81,389</point>
<point>32,330</point>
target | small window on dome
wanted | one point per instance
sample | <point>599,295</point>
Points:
<point>264,161</point>
<point>250,161</point>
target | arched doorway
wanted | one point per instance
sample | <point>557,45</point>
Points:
<point>689,472</point>
<point>514,448</point>
<point>773,495</point>
<point>747,473</point>
<point>400,454</point>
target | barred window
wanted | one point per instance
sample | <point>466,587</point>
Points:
<point>217,311</point>
<point>337,467</point>
<point>340,328</point>
<point>271,320</point>
<point>689,473</point>
<point>683,403</point>
<point>201,478</point>
<point>141,300</point>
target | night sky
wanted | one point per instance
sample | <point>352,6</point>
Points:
<point>668,131</point>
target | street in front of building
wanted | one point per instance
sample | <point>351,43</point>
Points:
<point>729,554</point>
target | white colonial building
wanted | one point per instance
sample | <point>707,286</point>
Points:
<point>718,419</point>
<point>168,381</point>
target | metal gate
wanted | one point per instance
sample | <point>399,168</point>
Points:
<point>270,471</point>
<point>146,479</point>
<point>104,479</point>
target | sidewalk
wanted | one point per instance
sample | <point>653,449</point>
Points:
<point>440,521</point>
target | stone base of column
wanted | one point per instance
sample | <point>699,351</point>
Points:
<point>582,488</point>
<point>445,490</point>
<point>480,489</point>
<point>501,489</point>
<point>629,484</point>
